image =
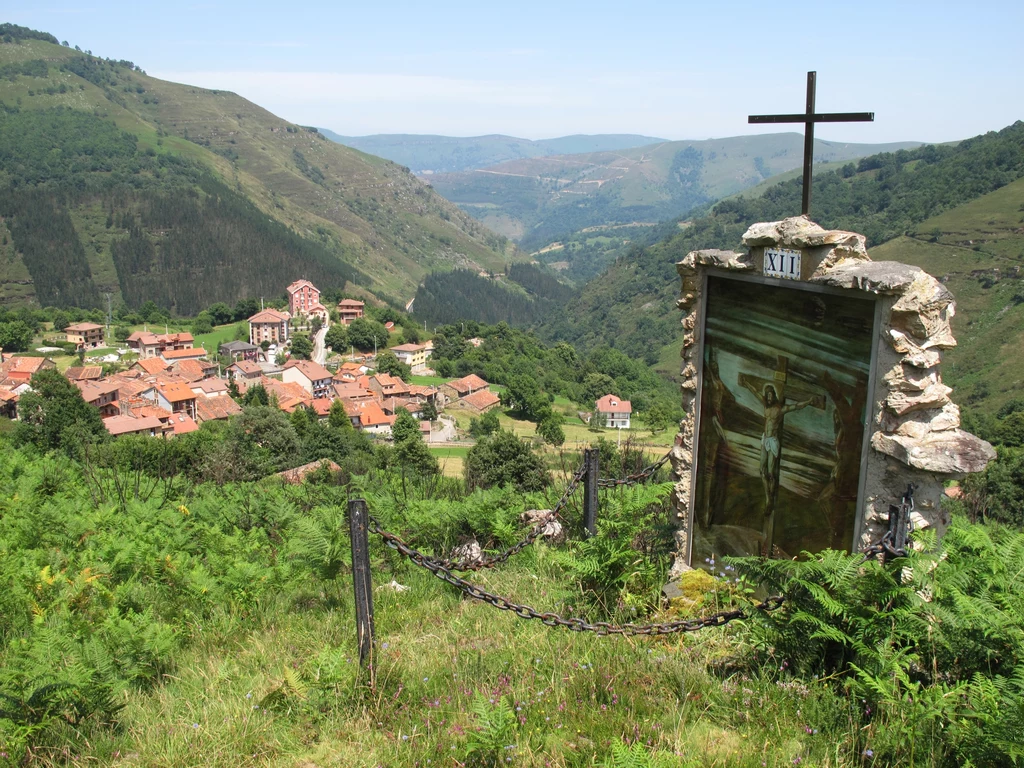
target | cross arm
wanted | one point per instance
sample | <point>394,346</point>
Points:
<point>817,117</point>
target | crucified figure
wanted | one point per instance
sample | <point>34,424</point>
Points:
<point>774,413</point>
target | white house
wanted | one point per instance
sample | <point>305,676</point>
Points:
<point>312,377</point>
<point>613,412</point>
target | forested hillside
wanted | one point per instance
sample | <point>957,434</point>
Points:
<point>116,182</point>
<point>632,305</point>
<point>520,297</point>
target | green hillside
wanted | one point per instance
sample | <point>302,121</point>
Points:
<point>954,210</point>
<point>535,201</point>
<point>429,154</point>
<point>116,182</point>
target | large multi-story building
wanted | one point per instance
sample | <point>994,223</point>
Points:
<point>146,344</point>
<point>304,300</point>
<point>85,335</point>
<point>268,325</point>
<point>349,310</point>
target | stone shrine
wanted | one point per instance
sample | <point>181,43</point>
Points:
<point>812,396</point>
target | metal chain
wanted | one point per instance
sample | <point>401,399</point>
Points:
<point>488,562</point>
<point>553,619</point>
<point>638,477</point>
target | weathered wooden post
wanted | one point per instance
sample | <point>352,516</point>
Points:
<point>358,517</point>
<point>590,492</point>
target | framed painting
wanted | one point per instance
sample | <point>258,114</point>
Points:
<point>783,407</point>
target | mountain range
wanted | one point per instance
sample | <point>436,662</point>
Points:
<point>117,182</point>
<point>535,201</point>
<point>427,154</point>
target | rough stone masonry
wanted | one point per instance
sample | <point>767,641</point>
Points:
<point>914,425</point>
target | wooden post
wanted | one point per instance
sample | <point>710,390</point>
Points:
<point>590,492</point>
<point>358,520</point>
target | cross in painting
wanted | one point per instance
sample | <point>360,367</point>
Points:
<point>773,395</point>
<point>809,118</point>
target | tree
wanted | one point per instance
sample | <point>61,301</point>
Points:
<point>504,459</point>
<point>122,332</point>
<point>60,320</point>
<point>336,337</point>
<point>657,418</point>
<point>220,313</point>
<point>523,395</point>
<point>260,441</point>
<point>596,386</point>
<point>255,395</point>
<point>302,346</point>
<point>362,334</point>
<point>487,424</point>
<point>337,418</point>
<point>15,336</point>
<point>54,415</point>
<point>265,345</point>
<point>202,324</point>
<point>551,429</point>
<point>429,411</point>
<point>387,362</point>
<point>411,453</point>
<point>316,324</point>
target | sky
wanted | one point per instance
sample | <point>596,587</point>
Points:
<point>930,71</point>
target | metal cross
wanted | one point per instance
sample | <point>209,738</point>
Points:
<point>809,118</point>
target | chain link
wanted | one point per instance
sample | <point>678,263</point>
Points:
<point>553,619</point>
<point>490,562</point>
<point>638,477</point>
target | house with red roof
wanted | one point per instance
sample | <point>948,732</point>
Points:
<point>171,356</point>
<point>85,335</point>
<point>149,365</point>
<point>304,300</point>
<point>101,395</point>
<point>84,373</point>
<point>269,325</point>
<point>312,377</point>
<point>244,369</point>
<point>176,397</point>
<point>216,409</point>
<point>131,425</point>
<point>349,310</point>
<point>467,385</point>
<point>20,370</point>
<point>480,401</point>
<point>385,385</point>
<point>9,403</point>
<point>413,355</point>
<point>368,416</point>
<point>612,411</point>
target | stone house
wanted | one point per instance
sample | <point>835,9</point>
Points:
<point>480,401</point>
<point>244,369</point>
<point>176,397</point>
<point>460,388</point>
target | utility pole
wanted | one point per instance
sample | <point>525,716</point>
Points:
<point>109,315</point>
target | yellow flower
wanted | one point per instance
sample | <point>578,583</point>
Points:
<point>184,510</point>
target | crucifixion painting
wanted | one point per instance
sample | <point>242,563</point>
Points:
<point>777,399</point>
<point>782,419</point>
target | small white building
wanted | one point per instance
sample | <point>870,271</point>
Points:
<point>613,412</point>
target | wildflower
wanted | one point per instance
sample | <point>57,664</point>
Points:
<point>869,753</point>
<point>384,646</point>
<point>405,737</point>
<point>248,695</point>
<point>425,679</point>
<point>195,725</point>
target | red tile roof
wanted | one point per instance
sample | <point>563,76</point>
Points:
<point>183,424</point>
<point>123,425</point>
<point>183,354</point>
<point>84,373</point>
<point>83,327</point>
<point>213,408</point>
<point>269,316</point>
<point>612,404</point>
<point>468,383</point>
<point>350,304</point>
<point>300,284</point>
<point>246,366</point>
<point>312,371</point>
<point>176,391</point>
<point>151,364</point>
<point>482,399</point>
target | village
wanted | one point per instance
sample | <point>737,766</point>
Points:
<point>164,384</point>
